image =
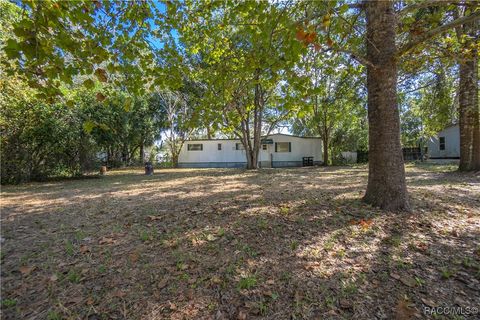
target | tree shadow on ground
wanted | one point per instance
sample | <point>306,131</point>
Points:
<point>273,244</point>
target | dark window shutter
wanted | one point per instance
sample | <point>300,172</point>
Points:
<point>289,147</point>
<point>275,147</point>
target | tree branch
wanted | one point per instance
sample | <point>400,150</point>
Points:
<point>419,88</point>
<point>427,4</point>
<point>432,33</point>
<point>363,60</point>
<point>354,55</point>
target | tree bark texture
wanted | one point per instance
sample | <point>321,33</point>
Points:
<point>252,144</point>
<point>142,153</point>
<point>386,176</point>
<point>469,110</point>
<point>325,150</point>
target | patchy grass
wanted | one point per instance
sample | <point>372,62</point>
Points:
<point>247,282</point>
<point>9,303</point>
<point>213,243</point>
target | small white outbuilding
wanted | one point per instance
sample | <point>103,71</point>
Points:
<point>277,150</point>
<point>446,144</point>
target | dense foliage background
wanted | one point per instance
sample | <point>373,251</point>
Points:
<point>103,82</point>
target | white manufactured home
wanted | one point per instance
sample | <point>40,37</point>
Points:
<point>277,150</point>
<point>446,144</point>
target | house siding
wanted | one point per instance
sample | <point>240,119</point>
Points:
<point>212,164</point>
<point>230,157</point>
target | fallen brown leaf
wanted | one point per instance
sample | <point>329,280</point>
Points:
<point>216,279</point>
<point>242,315</point>
<point>403,310</point>
<point>421,246</point>
<point>345,303</point>
<point>162,284</point>
<point>107,240</point>
<point>119,294</point>
<point>365,224</point>
<point>428,302</point>
<point>408,281</point>
<point>395,276</point>
<point>75,300</point>
<point>211,237</point>
<point>84,249</point>
<point>25,270</point>
<point>133,257</point>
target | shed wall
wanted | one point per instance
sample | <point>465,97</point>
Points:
<point>452,144</point>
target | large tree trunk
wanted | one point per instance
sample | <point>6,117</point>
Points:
<point>326,138</point>
<point>468,104</point>
<point>109,156</point>
<point>325,151</point>
<point>252,159</point>
<point>253,150</point>
<point>249,159</point>
<point>209,133</point>
<point>246,141</point>
<point>142,153</point>
<point>175,160</point>
<point>386,177</point>
<point>256,150</point>
<point>125,155</point>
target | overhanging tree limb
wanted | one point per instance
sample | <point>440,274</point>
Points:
<point>427,4</point>
<point>432,33</point>
<point>363,60</point>
<point>354,55</point>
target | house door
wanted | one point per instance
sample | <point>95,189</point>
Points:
<point>265,156</point>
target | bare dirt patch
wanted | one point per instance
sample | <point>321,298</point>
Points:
<point>228,244</point>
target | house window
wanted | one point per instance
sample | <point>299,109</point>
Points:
<point>442,143</point>
<point>239,146</point>
<point>283,147</point>
<point>195,147</point>
<point>219,146</point>
<point>264,147</point>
